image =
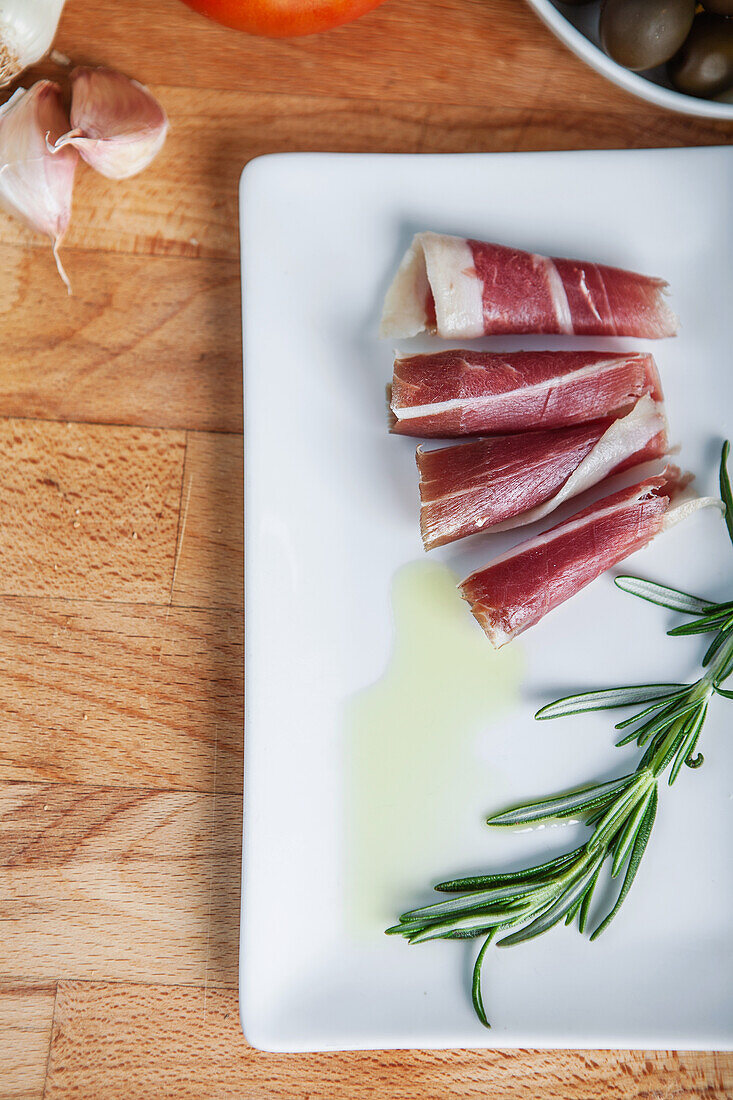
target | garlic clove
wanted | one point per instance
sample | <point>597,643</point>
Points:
<point>118,126</point>
<point>36,185</point>
<point>27,30</point>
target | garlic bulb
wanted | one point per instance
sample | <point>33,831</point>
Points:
<point>118,126</point>
<point>27,29</point>
<point>36,185</point>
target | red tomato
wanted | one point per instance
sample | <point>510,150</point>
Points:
<point>282,18</point>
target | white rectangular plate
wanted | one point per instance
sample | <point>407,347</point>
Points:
<point>381,728</point>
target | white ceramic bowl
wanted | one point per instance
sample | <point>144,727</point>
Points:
<point>577,27</point>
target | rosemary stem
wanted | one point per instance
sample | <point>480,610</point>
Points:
<point>616,816</point>
<point>620,812</point>
<point>721,665</point>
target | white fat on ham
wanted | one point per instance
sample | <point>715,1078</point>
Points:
<point>442,266</point>
<point>625,436</point>
<point>568,528</point>
<point>558,293</point>
<point>682,503</point>
<point>687,503</point>
<point>404,312</point>
<point>499,401</point>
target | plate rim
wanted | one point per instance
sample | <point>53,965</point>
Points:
<point>261,1040</point>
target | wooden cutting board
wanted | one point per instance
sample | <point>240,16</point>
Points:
<point>121,549</point>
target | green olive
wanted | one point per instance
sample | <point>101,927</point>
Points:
<point>704,65</point>
<point>640,34</point>
<point>718,7</point>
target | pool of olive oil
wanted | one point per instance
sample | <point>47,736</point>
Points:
<point>413,743</point>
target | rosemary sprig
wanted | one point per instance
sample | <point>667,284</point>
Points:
<point>620,812</point>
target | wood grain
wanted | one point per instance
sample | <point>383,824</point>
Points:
<point>439,51</point>
<point>26,1016</point>
<point>215,133</point>
<point>88,512</point>
<point>473,49</point>
<point>123,695</point>
<point>140,342</point>
<point>209,569</point>
<point>124,885</point>
<point>112,1041</point>
<point>120,668</point>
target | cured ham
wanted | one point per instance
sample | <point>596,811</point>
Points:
<point>460,289</point>
<point>511,480</point>
<point>455,393</point>
<point>518,589</point>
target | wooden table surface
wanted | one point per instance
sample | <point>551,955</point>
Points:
<point>121,549</point>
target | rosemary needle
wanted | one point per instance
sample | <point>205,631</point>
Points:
<point>520,905</point>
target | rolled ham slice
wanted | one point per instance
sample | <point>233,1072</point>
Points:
<point>460,289</point>
<point>516,590</point>
<point>455,393</point>
<point>508,481</point>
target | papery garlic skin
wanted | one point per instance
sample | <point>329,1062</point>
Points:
<point>118,126</point>
<point>27,31</point>
<point>35,184</point>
